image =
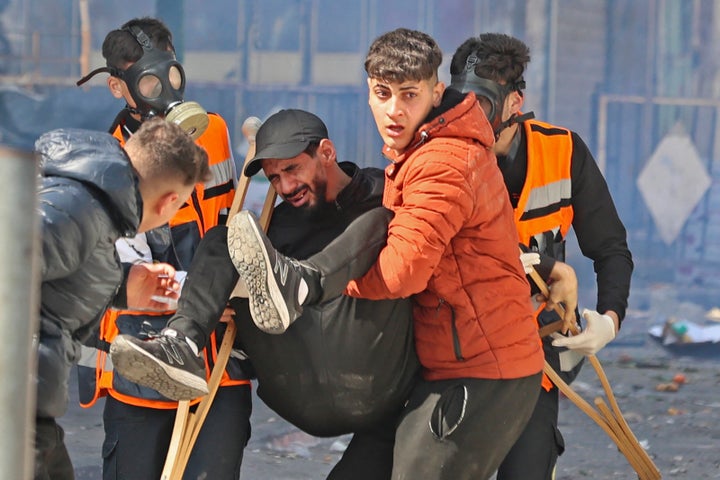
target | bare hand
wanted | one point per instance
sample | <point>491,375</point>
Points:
<point>563,292</point>
<point>146,280</point>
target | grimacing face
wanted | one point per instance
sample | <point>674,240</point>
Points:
<point>400,108</point>
<point>301,181</point>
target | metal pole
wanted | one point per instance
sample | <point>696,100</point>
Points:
<point>19,299</point>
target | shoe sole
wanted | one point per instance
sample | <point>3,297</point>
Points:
<point>139,366</point>
<point>248,254</point>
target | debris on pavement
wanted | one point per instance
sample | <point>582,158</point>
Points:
<point>684,337</point>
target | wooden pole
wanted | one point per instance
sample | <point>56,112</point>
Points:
<point>187,425</point>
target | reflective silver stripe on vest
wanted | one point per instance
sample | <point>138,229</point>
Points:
<point>547,195</point>
<point>221,173</point>
<point>88,358</point>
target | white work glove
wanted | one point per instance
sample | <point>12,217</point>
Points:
<point>599,331</point>
<point>529,260</point>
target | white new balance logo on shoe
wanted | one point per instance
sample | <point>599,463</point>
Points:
<point>282,270</point>
<point>172,354</point>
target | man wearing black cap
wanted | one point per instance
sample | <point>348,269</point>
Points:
<point>346,365</point>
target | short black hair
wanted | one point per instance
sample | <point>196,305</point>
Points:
<point>500,57</point>
<point>120,46</point>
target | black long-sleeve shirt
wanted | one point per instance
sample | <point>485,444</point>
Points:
<point>600,232</point>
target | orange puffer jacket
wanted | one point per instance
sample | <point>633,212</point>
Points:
<point>453,245</point>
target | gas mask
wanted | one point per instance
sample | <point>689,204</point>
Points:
<point>156,83</point>
<point>490,94</point>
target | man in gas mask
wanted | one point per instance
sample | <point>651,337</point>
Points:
<point>153,83</point>
<point>554,184</point>
<point>138,421</point>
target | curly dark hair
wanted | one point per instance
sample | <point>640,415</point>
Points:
<point>402,55</point>
<point>500,57</point>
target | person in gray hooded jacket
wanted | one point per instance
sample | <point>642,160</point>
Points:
<point>92,192</point>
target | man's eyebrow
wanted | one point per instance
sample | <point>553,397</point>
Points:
<point>409,87</point>
<point>289,167</point>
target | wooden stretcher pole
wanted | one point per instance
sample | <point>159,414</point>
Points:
<point>249,128</point>
<point>193,421</point>
<point>187,425</point>
<point>611,421</point>
<point>181,420</point>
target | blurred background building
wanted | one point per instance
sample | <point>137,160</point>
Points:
<point>639,80</point>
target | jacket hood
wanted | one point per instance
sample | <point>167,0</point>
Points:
<point>97,160</point>
<point>458,116</point>
<point>366,183</point>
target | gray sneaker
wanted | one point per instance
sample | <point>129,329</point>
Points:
<point>274,282</point>
<point>164,363</point>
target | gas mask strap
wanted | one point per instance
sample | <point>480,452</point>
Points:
<point>140,36</point>
<point>513,120</point>
<point>133,110</point>
<point>110,70</point>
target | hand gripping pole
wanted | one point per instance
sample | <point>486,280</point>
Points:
<point>610,419</point>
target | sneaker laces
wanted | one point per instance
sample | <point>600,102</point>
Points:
<point>147,331</point>
<point>171,332</point>
<point>299,267</point>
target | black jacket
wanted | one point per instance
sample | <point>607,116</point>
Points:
<point>345,364</point>
<point>88,198</point>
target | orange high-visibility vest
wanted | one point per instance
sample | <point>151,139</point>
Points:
<point>544,212</point>
<point>207,207</point>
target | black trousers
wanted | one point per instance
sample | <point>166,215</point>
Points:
<point>534,455</point>
<point>137,439</point>
<point>52,461</point>
<point>461,429</point>
<point>368,456</point>
<point>212,276</point>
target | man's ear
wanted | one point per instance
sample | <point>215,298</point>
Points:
<point>165,202</point>
<point>515,102</point>
<point>438,91</point>
<point>327,151</point>
<point>115,86</point>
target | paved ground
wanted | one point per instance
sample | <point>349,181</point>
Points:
<point>681,430</point>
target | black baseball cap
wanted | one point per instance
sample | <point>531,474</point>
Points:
<point>286,134</point>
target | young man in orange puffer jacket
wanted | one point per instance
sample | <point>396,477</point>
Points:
<point>452,245</point>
